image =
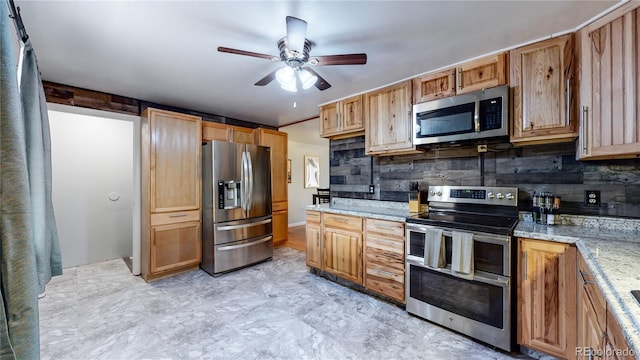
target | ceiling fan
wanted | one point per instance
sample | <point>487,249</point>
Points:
<point>294,52</point>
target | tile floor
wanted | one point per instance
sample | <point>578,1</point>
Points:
<point>274,310</point>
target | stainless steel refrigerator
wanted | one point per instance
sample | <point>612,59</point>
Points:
<point>236,194</point>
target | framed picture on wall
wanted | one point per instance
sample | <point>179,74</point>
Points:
<point>289,171</point>
<point>311,171</point>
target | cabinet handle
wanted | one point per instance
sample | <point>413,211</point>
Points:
<point>338,121</point>
<point>382,272</point>
<point>585,281</point>
<point>567,103</point>
<point>585,118</point>
<point>525,260</point>
<point>458,77</point>
<point>178,215</point>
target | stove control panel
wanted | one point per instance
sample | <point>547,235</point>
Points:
<point>490,195</point>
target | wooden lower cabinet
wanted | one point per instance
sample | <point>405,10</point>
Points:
<point>313,236</point>
<point>175,246</point>
<point>342,246</point>
<point>547,297</point>
<point>384,259</point>
<point>280,226</point>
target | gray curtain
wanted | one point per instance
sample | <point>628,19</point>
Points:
<point>20,282</point>
<point>38,144</point>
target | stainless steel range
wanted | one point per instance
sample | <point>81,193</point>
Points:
<point>460,261</point>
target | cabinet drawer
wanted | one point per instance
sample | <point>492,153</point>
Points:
<point>174,217</point>
<point>392,229</point>
<point>381,243</point>
<point>313,216</point>
<point>386,282</point>
<point>346,222</point>
<point>280,206</point>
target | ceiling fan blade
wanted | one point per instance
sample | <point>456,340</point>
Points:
<point>267,79</point>
<point>321,84</point>
<point>246,53</point>
<point>346,59</point>
<point>296,33</point>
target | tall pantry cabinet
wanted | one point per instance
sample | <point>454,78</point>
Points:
<point>170,193</point>
<point>278,143</point>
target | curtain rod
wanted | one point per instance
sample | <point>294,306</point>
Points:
<point>14,13</point>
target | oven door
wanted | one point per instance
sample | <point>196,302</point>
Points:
<point>491,252</point>
<point>480,308</point>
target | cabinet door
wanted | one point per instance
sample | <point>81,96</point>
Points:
<point>388,115</point>
<point>175,246</point>
<point>215,131</point>
<point>280,226</point>
<point>541,79</point>
<point>590,335</point>
<point>175,162</point>
<point>547,297</point>
<point>242,135</point>
<point>482,73</point>
<point>609,88</point>
<point>435,85</point>
<point>277,141</point>
<point>314,245</point>
<point>329,119</point>
<point>343,254</point>
<point>350,116</point>
<point>617,345</point>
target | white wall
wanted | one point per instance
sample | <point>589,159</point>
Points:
<point>92,157</point>
<point>304,139</point>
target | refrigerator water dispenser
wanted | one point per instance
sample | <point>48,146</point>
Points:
<point>229,194</point>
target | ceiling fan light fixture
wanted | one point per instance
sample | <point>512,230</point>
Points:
<point>287,79</point>
<point>307,79</point>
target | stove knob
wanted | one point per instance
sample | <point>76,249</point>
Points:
<point>490,195</point>
<point>510,196</point>
<point>500,196</point>
<point>439,193</point>
<point>432,192</point>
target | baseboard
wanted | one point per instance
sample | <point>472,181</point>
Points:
<point>297,224</point>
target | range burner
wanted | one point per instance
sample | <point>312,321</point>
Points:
<point>473,208</point>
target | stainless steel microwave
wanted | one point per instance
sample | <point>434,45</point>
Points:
<point>478,115</point>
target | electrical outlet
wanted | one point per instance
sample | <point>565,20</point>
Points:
<point>592,198</point>
<point>372,189</point>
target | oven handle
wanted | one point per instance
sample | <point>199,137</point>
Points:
<point>476,277</point>
<point>497,239</point>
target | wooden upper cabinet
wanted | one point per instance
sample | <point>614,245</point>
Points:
<point>242,135</point>
<point>388,114</point>
<point>543,92</point>
<point>435,85</point>
<point>482,73</point>
<point>547,297</point>
<point>329,119</point>
<point>174,161</point>
<point>212,131</point>
<point>223,132</point>
<point>610,86</point>
<point>342,119</point>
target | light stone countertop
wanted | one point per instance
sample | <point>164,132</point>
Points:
<point>383,210</point>
<point>612,252</point>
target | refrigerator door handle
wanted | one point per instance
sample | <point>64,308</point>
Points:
<point>233,247</point>
<point>244,186</point>
<point>243,226</point>
<point>250,192</point>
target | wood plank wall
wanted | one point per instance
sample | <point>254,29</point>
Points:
<point>550,168</point>
<point>74,96</point>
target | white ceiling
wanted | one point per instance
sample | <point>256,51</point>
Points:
<point>165,51</point>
